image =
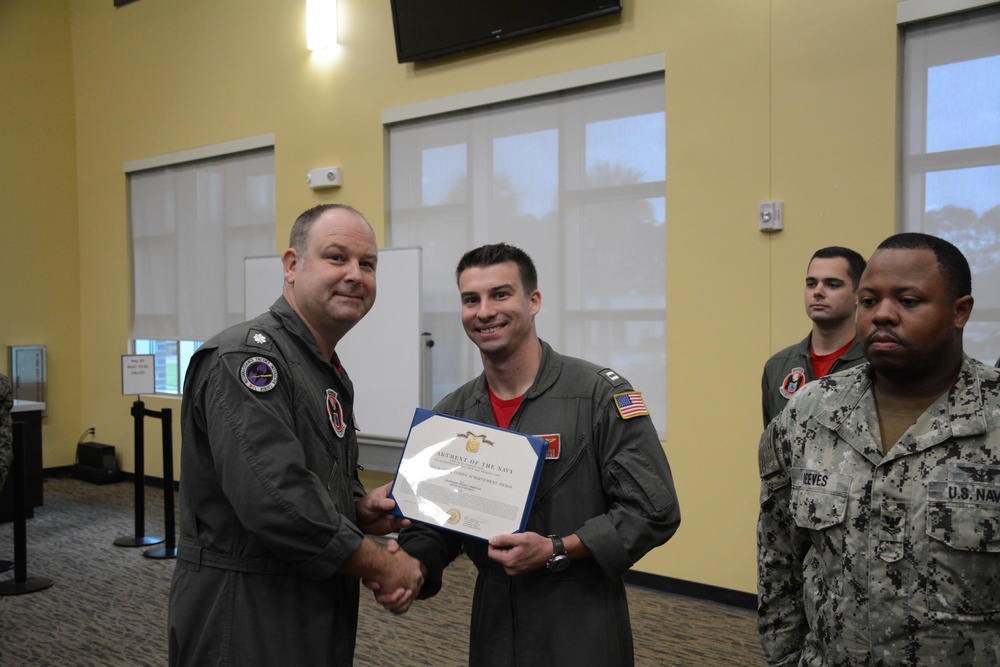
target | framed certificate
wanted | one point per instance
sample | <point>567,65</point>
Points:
<point>27,372</point>
<point>467,477</point>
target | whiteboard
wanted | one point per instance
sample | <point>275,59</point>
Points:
<point>263,280</point>
<point>382,353</point>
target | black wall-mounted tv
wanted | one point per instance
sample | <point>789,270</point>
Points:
<point>431,28</point>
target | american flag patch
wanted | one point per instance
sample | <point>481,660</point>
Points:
<point>630,404</point>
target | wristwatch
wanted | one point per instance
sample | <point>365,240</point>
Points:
<point>559,560</point>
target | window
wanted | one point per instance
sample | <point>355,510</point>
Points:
<point>575,178</point>
<point>193,224</point>
<point>951,152</point>
<point>171,359</point>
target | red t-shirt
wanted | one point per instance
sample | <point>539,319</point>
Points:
<point>821,363</point>
<point>503,410</point>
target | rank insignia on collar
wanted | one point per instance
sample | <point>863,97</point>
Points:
<point>611,376</point>
<point>259,374</point>
<point>257,338</point>
<point>792,382</point>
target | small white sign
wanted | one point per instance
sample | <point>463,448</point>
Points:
<point>138,374</point>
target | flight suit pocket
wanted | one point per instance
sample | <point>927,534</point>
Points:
<point>640,481</point>
<point>963,527</point>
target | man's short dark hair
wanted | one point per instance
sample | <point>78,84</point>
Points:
<point>952,264</point>
<point>300,228</point>
<point>498,253</point>
<point>855,262</point>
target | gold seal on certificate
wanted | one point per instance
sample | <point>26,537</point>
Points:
<point>467,477</point>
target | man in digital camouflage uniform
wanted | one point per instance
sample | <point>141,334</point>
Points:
<point>6,432</point>
<point>879,528</point>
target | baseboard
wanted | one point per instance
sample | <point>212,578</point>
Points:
<point>692,589</point>
<point>67,471</point>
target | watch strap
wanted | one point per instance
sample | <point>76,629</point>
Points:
<point>558,548</point>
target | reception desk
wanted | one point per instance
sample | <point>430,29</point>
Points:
<point>28,413</point>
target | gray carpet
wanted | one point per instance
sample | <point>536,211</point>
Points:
<point>107,605</point>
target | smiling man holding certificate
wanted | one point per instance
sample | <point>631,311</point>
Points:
<point>553,594</point>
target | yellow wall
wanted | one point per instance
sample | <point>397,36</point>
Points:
<point>766,99</point>
<point>40,293</point>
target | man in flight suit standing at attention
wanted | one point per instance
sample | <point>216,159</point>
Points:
<point>831,346</point>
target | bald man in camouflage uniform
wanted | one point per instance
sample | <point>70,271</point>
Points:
<point>879,528</point>
<point>6,430</point>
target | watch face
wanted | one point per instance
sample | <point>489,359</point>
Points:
<point>558,563</point>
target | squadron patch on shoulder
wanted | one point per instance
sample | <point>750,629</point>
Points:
<point>630,404</point>
<point>793,382</point>
<point>259,374</point>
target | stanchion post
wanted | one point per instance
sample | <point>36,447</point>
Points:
<point>139,539</point>
<point>169,549</point>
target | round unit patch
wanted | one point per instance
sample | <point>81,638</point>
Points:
<point>793,382</point>
<point>259,374</point>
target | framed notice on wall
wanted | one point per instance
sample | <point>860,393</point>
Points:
<point>27,372</point>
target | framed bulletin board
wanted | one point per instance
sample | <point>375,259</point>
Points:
<point>27,372</point>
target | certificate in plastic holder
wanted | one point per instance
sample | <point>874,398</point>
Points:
<point>467,477</point>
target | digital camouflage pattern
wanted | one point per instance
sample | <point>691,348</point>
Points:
<point>873,560</point>
<point>6,430</point>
